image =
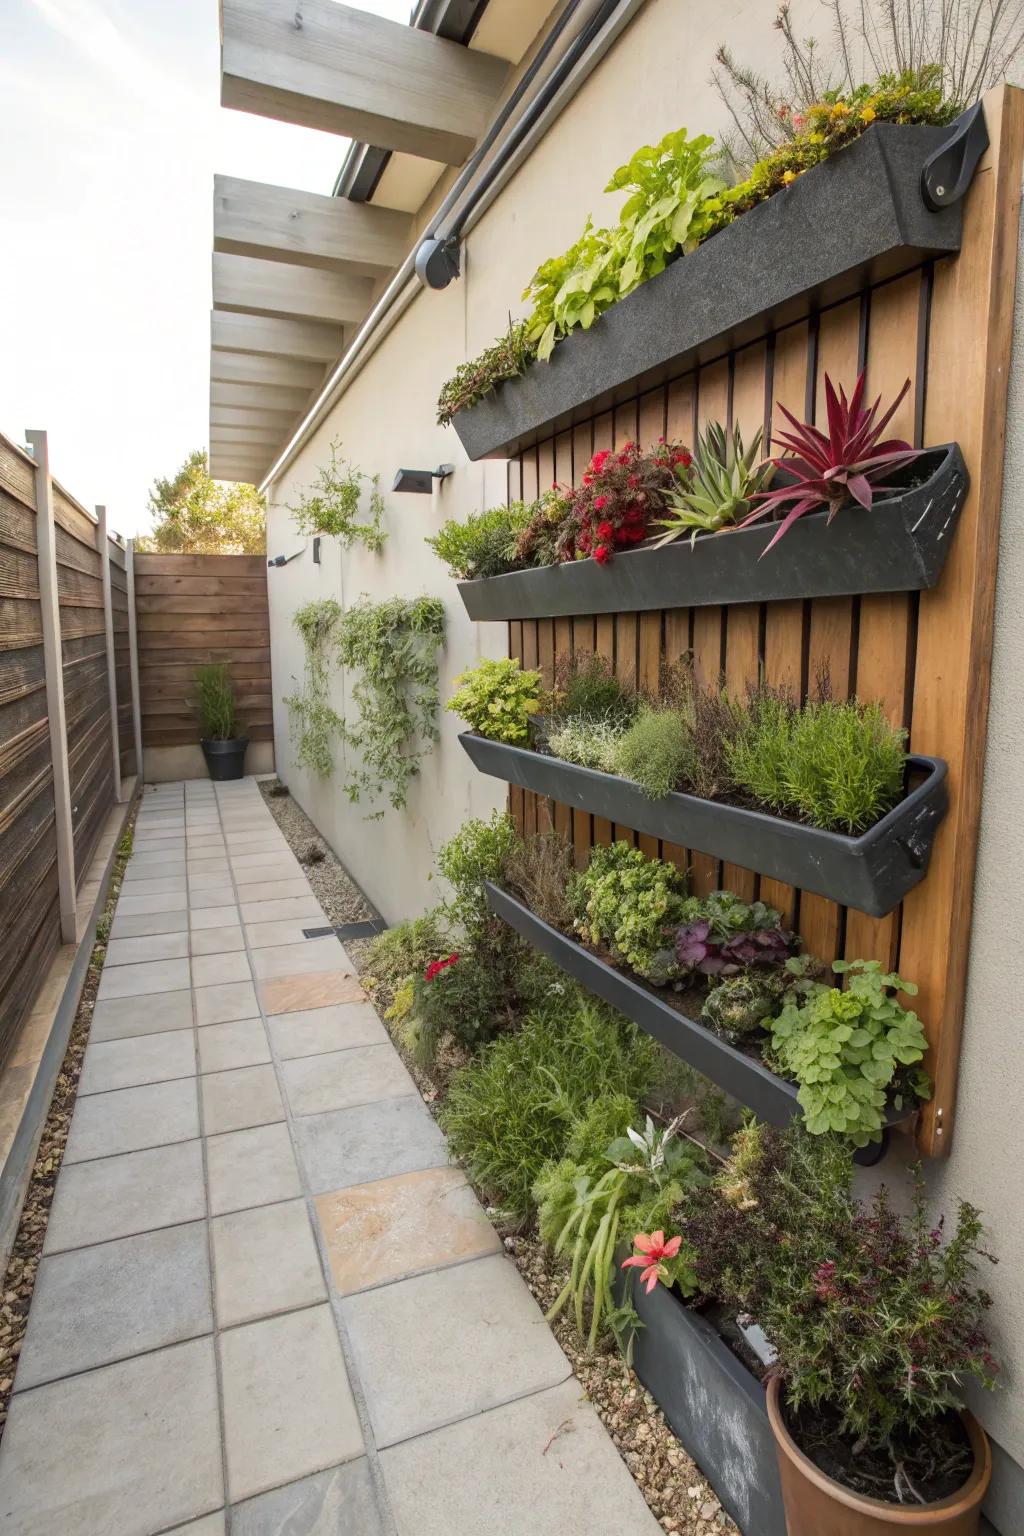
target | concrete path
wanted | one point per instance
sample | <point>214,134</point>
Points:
<point>267,1304</point>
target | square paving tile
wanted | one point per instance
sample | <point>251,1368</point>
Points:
<point>341,1502</point>
<point>128,926</point>
<point>319,989</point>
<point>217,941</point>
<point>117,1196</point>
<point>264,1261</point>
<point>132,1118</point>
<point>273,890</point>
<point>315,1031</point>
<point>138,980</point>
<point>153,946</point>
<point>214,970</point>
<point>394,1228</point>
<point>209,1525</point>
<point>148,885</point>
<point>207,865</point>
<point>233,1101</point>
<point>96,1305</point>
<point>241,1044</point>
<point>212,896</point>
<point>142,1436</point>
<point>258,868</point>
<point>373,1141</point>
<point>252,1167</point>
<point>120,1017</point>
<point>159,866</point>
<point>266,935</point>
<point>214,880</point>
<point>294,908</point>
<point>542,1466</point>
<point>362,1075</point>
<point>230,1000</point>
<point>288,1407</point>
<point>145,1059</point>
<point>172,901</point>
<point>295,959</point>
<point>487,1343</point>
<point>213,917</point>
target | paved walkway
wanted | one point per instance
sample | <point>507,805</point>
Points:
<point>267,1304</point>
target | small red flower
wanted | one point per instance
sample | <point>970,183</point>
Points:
<point>605,531</point>
<point>650,1255</point>
<point>437,966</point>
<point>602,554</point>
<point>599,502</point>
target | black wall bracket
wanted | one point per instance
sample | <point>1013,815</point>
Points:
<point>949,171</point>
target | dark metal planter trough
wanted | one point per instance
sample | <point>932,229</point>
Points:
<point>855,219</point>
<point>872,872</point>
<point>744,1077</point>
<point>900,545</point>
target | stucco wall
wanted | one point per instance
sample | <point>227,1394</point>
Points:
<point>655,79</point>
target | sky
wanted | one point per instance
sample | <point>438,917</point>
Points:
<point>111,130</point>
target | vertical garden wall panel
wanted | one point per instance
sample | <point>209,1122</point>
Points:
<point>947,325</point>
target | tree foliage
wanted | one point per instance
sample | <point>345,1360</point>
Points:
<point>194,514</point>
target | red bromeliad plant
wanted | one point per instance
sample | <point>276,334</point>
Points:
<point>848,463</point>
<point>622,490</point>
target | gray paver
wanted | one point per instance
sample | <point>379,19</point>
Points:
<point>121,1017</point>
<point>214,917</point>
<point>293,959</point>
<point>362,1075</point>
<point>240,1044</point>
<point>226,1001</point>
<point>132,1118</point>
<point>217,969</point>
<point>96,1305</point>
<point>142,1438</point>
<point>316,1031</point>
<point>288,1407</point>
<point>252,1167</point>
<point>126,926</point>
<point>235,1100</point>
<point>217,941</point>
<point>136,1192</point>
<point>340,1502</point>
<point>152,946</point>
<point>487,1343</point>
<point>265,1261</point>
<point>372,1141</point>
<point>138,980</point>
<point>143,1059</point>
<point>209,1525</point>
<point>133,905</point>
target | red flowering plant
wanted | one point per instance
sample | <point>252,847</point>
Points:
<point>437,966</point>
<point>657,1257</point>
<point>623,489</point>
<point>846,464</point>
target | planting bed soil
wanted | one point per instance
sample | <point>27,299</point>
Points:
<point>925,1468</point>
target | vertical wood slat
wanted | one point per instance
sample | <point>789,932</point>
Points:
<point>46,538</point>
<point>133,661</point>
<point>108,626</point>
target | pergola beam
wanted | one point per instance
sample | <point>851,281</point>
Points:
<point>233,416</point>
<point>258,397</point>
<point>329,66</point>
<point>242,368</point>
<point>254,286</point>
<point>251,218</point>
<point>265,336</point>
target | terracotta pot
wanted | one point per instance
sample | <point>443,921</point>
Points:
<point>818,1506</point>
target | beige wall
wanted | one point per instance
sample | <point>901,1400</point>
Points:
<point>654,80</point>
<point>166,765</point>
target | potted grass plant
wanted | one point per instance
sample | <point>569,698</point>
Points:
<point>221,739</point>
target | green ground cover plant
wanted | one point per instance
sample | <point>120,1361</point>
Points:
<point>497,699</point>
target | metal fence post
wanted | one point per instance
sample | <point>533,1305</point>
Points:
<point>108,625</point>
<point>53,663</point>
<point>133,653</point>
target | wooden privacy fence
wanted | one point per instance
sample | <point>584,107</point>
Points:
<point>193,609</point>
<point>67,732</point>
<point>948,326</point>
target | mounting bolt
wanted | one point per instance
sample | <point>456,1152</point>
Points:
<point>940,191</point>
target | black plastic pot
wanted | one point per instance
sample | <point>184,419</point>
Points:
<point>744,1077</point>
<point>900,545</point>
<point>859,217</point>
<point>225,759</point>
<point>872,872</point>
<point>714,1406</point>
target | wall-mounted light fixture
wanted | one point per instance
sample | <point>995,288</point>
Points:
<point>284,559</point>
<point>421,480</point>
<point>316,550</point>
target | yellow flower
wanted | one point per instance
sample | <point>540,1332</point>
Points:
<point>815,138</point>
<point>868,115</point>
<point>840,109</point>
<point>788,176</point>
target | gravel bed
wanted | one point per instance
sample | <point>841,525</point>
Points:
<point>23,1265</point>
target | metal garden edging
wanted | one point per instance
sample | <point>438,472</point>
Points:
<point>872,872</point>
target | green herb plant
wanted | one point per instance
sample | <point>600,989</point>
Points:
<point>509,356</point>
<point>485,544</point>
<point>215,703</point>
<point>393,646</point>
<point>718,489</point>
<point>478,851</point>
<point>314,723</point>
<point>333,504</point>
<point>631,905</point>
<point>496,698</point>
<point>656,752</point>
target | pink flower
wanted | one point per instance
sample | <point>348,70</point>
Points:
<point>605,531</point>
<point>599,502</point>
<point>651,1253</point>
<point>602,554</point>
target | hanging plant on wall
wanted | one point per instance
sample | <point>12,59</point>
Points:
<point>333,503</point>
<point>314,724</point>
<point>393,645</point>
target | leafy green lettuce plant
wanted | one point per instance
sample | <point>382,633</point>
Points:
<point>846,1049</point>
<point>496,699</point>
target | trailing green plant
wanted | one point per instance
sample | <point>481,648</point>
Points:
<point>393,646</point>
<point>478,851</point>
<point>837,764</point>
<point>719,487</point>
<point>655,752</point>
<point>215,703</point>
<point>513,1108</point>
<point>485,544</point>
<point>631,905</point>
<point>509,356</point>
<point>314,723</point>
<point>496,699</point>
<point>333,504</point>
<point>409,946</point>
<point>849,1050</point>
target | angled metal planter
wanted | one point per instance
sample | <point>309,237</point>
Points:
<point>900,545</point>
<point>872,872</point>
